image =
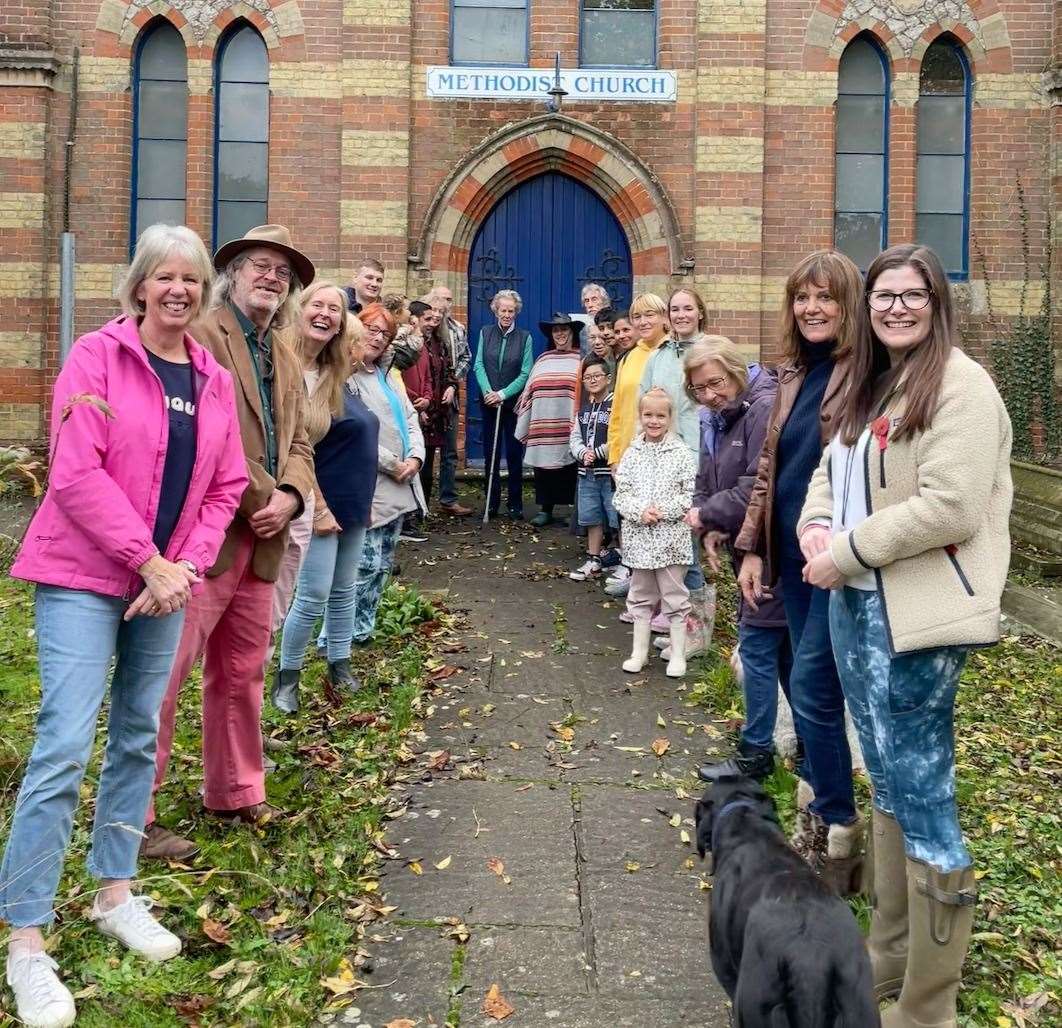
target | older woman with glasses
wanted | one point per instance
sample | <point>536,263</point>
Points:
<point>399,458</point>
<point>147,470</point>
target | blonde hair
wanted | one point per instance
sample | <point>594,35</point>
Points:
<point>721,350</point>
<point>658,393</point>
<point>335,357</point>
<point>155,245</point>
<point>648,302</point>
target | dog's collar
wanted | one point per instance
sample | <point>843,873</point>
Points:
<point>728,808</point>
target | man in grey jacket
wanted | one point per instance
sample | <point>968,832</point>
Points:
<point>442,299</point>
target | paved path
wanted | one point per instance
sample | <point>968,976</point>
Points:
<point>597,918</point>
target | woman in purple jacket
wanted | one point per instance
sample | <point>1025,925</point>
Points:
<point>147,469</point>
<point>736,404</point>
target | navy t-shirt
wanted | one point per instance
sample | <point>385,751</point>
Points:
<point>345,462</point>
<point>178,383</point>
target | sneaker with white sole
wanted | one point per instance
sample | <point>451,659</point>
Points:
<point>131,924</point>
<point>620,582</point>
<point>590,568</point>
<point>42,1000</point>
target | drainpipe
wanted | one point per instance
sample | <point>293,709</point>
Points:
<point>66,247</point>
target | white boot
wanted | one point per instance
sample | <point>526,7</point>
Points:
<point>676,664</point>
<point>640,652</point>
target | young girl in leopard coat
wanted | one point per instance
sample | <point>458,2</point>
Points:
<point>654,489</point>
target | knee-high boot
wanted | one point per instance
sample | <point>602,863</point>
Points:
<point>940,911</point>
<point>888,925</point>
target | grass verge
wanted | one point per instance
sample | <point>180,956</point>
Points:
<point>271,918</point>
<point>1008,779</point>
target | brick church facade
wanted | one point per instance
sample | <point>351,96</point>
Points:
<point>765,152</point>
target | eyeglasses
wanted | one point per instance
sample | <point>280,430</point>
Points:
<point>376,330</point>
<point>882,300</point>
<point>594,378</point>
<point>282,271</point>
<point>712,385</point>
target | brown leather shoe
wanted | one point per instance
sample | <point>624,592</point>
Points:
<point>161,844</point>
<point>457,510</point>
<point>254,814</point>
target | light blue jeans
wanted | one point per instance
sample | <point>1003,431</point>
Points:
<point>903,708</point>
<point>78,635</point>
<point>326,586</point>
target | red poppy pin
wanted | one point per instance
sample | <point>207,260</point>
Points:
<point>879,429</point>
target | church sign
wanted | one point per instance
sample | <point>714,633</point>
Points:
<point>535,84</point>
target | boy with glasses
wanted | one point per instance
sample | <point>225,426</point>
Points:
<point>589,446</point>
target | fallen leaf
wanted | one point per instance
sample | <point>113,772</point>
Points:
<point>685,836</point>
<point>524,788</point>
<point>632,866</point>
<point>444,863</point>
<point>660,722</point>
<point>416,867</point>
<point>675,820</point>
<point>221,970</point>
<point>661,746</point>
<point>401,1022</point>
<point>216,932</point>
<point>515,746</point>
<point>495,1005</point>
<point>495,864</point>
<point>459,932</point>
<point>438,760</point>
<point>563,732</point>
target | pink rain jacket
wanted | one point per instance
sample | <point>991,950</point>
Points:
<point>94,527</point>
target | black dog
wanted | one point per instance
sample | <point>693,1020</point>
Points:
<point>788,952</point>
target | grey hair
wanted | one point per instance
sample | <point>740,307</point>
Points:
<point>593,287</point>
<point>156,243</point>
<point>507,294</point>
<point>287,313</point>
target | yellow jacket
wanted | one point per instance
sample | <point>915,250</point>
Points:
<point>623,425</point>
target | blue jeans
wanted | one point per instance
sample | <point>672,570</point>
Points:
<point>377,559</point>
<point>326,582</point>
<point>816,697</point>
<point>448,459</point>
<point>694,579</point>
<point>78,634</point>
<point>903,708</point>
<point>766,661</point>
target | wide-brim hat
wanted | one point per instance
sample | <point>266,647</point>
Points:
<point>560,321</point>
<point>275,236</point>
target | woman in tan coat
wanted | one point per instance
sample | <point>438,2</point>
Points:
<point>906,521</point>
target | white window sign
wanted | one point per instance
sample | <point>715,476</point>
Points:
<point>535,84</point>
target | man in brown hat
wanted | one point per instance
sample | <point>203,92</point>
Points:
<point>228,621</point>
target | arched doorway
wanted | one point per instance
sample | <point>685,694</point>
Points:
<point>546,239</point>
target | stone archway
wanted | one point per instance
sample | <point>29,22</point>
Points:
<point>551,142</point>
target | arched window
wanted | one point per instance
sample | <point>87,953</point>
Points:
<point>160,129</point>
<point>241,148</point>
<point>860,221</point>
<point>943,206</point>
<point>618,34</point>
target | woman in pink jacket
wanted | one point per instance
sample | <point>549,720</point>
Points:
<point>147,469</point>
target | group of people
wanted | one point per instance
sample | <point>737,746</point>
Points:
<point>236,454</point>
<point>862,491</point>
<point>232,460</point>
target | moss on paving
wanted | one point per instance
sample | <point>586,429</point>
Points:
<point>1009,777</point>
<point>285,898</point>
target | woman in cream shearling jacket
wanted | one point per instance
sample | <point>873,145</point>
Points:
<point>906,519</point>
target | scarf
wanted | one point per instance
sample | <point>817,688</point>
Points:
<point>396,410</point>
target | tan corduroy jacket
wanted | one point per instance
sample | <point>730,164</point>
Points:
<point>937,537</point>
<point>219,331</point>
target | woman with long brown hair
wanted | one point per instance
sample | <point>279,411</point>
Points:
<point>344,433</point>
<point>820,319</point>
<point>906,520</point>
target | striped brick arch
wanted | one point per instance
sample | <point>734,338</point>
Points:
<point>522,151</point>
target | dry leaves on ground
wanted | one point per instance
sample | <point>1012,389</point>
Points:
<point>216,932</point>
<point>495,864</point>
<point>661,746</point>
<point>495,1005</point>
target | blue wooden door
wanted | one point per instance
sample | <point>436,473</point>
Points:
<point>546,239</point>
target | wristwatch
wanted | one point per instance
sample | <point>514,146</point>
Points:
<point>185,562</point>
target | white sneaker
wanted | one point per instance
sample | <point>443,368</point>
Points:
<point>591,568</point>
<point>619,584</point>
<point>132,924</point>
<point>43,1001</point>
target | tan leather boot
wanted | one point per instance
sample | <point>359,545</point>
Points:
<point>841,866</point>
<point>940,911</point>
<point>888,924</point>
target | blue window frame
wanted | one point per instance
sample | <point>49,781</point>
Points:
<point>160,130</point>
<point>943,201</point>
<point>617,34</point>
<point>489,32</point>
<point>241,134</point>
<point>861,170</point>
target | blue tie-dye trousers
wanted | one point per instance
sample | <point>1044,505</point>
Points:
<point>903,708</point>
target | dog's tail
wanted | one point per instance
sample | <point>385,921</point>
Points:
<point>853,995</point>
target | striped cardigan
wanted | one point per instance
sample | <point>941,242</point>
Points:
<point>546,410</point>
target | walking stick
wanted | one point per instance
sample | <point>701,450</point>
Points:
<point>493,457</point>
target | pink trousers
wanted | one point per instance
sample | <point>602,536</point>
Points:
<point>228,624</point>
<point>665,586</point>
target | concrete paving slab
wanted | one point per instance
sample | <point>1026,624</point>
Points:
<point>527,963</point>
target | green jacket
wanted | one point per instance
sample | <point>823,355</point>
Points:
<point>664,370</point>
